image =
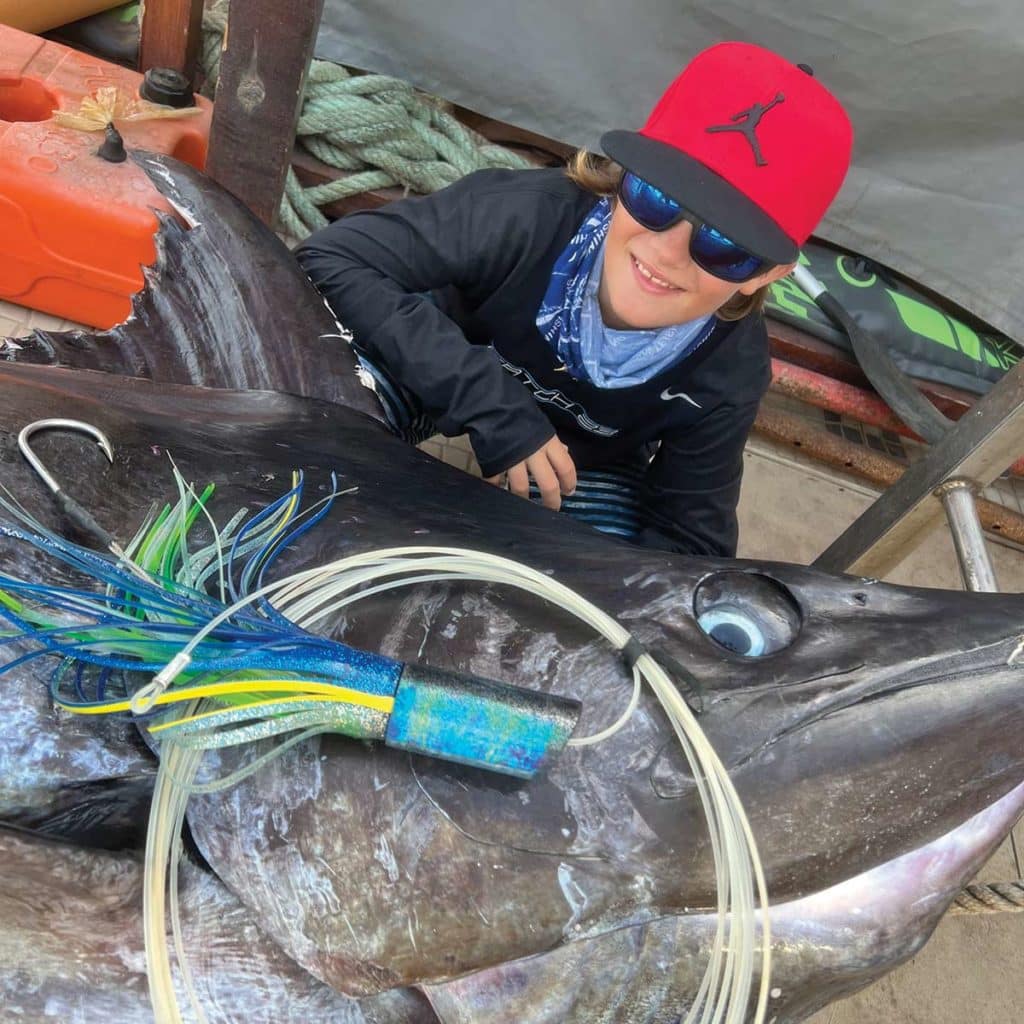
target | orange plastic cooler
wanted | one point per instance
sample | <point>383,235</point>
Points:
<point>74,228</point>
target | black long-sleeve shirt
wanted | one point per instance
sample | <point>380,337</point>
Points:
<point>470,350</point>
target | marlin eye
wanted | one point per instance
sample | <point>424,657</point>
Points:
<point>734,630</point>
<point>746,613</point>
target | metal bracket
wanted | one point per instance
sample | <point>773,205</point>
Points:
<point>987,439</point>
<point>957,497</point>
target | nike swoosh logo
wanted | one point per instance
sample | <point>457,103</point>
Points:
<point>667,396</point>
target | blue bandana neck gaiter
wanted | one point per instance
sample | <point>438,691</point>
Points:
<point>558,318</point>
<point>569,318</point>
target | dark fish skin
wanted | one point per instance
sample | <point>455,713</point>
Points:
<point>375,870</point>
<point>890,722</point>
<point>71,947</point>
<point>824,947</point>
<point>89,779</point>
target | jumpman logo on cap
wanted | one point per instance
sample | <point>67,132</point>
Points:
<point>748,121</point>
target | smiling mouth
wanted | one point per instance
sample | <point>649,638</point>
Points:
<point>649,276</point>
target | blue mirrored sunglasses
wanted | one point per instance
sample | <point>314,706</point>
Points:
<point>709,248</point>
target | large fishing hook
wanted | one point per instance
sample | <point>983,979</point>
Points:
<point>79,515</point>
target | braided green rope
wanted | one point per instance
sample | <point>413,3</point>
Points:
<point>378,129</point>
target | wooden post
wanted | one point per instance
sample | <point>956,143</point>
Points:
<point>169,35</point>
<point>259,94</point>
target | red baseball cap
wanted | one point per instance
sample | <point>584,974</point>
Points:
<point>750,143</point>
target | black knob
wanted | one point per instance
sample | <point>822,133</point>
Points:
<point>167,87</point>
<point>806,69</point>
<point>112,148</point>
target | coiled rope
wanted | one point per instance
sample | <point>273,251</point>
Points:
<point>378,129</point>
<point>997,897</point>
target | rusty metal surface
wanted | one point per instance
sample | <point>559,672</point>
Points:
<point>825,392</point>
<point>802,349</point>
<point>869,465</point>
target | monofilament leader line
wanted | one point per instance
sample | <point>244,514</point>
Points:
<point>309,596</point>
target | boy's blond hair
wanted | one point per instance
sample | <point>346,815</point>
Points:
<point>601,176</point>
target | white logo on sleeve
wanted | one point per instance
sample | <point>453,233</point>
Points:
<point>667,396</point>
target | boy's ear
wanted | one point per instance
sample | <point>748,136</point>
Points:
<point>751,286</point>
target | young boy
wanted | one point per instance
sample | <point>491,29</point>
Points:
<point>599,331</point>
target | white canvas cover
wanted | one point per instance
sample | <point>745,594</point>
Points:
<point>935,89</point>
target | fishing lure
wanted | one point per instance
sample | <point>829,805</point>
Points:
<point>256,671</point>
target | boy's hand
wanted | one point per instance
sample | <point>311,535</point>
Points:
<point>552,469</point>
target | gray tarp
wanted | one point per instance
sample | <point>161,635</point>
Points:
<point>935,89</point>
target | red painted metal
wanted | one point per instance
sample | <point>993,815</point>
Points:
<point>845,399</point>
<point>838,396</point>
<point>801,349</point>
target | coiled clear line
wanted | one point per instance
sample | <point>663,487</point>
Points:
<point>166,819</point>
<point>309,596</point>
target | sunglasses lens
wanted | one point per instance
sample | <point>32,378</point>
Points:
<point>720,256</point>
<point>648,205</point>
<point>709,248</point>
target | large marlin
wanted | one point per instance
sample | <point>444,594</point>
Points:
<point>875,746</point>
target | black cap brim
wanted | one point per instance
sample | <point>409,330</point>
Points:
<point>703,192</point>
